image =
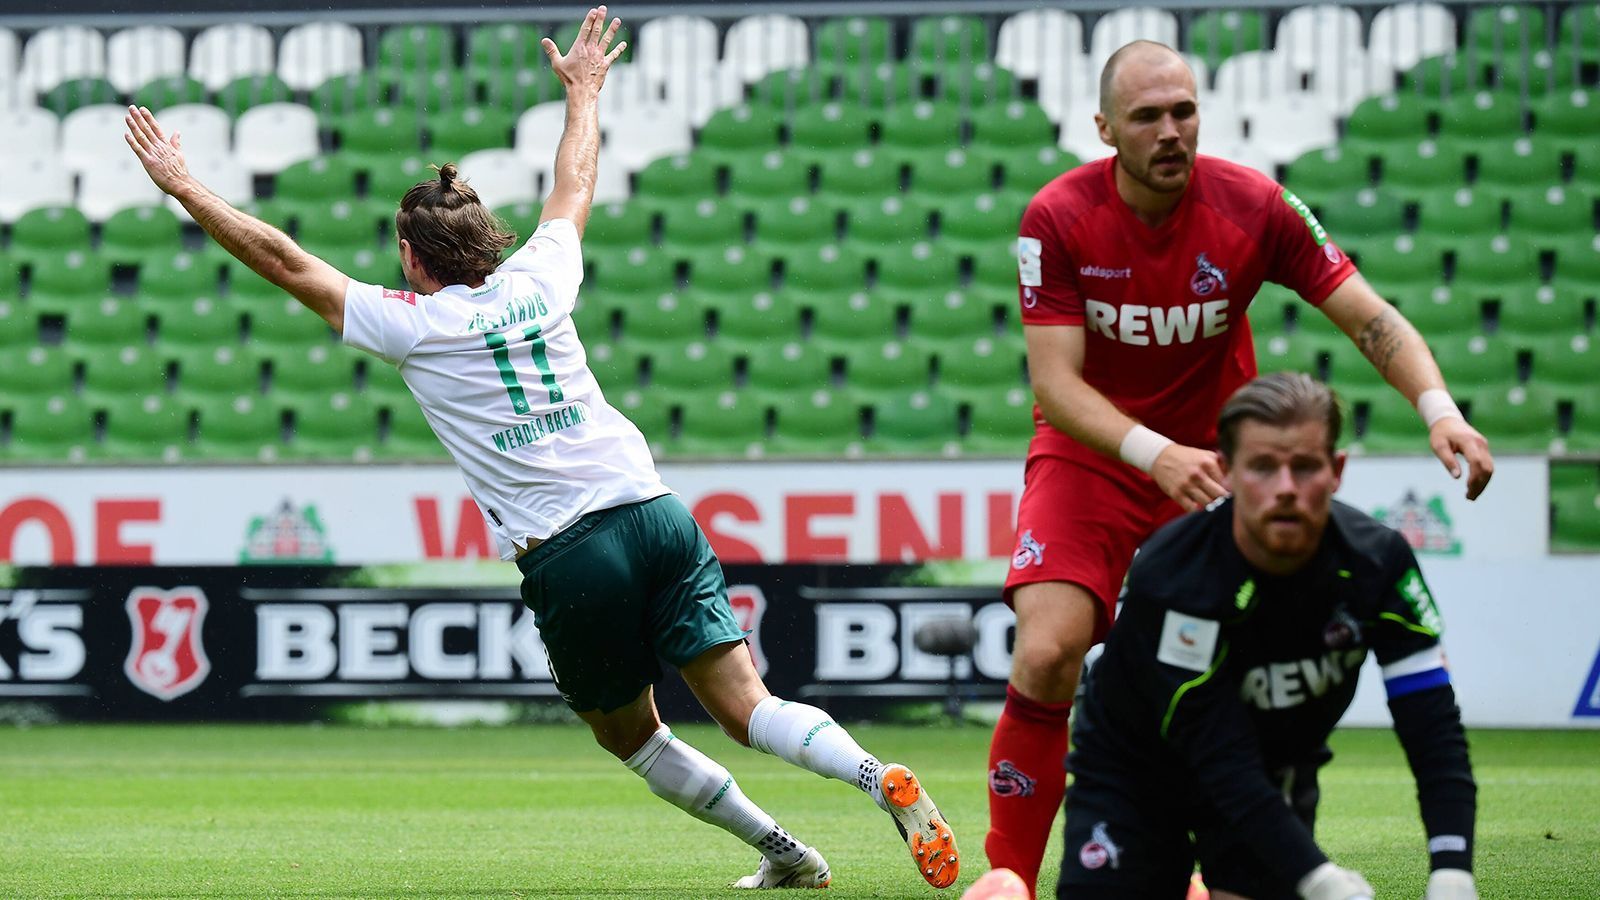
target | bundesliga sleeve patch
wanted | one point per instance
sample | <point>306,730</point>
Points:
<point>1030,256</point>
<point>406,296</point>
<point>1188,642</point>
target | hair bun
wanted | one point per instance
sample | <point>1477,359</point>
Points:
<point>448,174</point>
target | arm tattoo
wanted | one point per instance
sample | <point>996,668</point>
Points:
<point>1380,340</point>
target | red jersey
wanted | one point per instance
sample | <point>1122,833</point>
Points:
<point>1163,309</point>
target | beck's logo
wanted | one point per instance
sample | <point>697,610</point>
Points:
<point>749,605</point>
<point>165,656</point>
<point>1207,277</point>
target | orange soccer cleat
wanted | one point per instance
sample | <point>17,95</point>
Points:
<point>928,835</point>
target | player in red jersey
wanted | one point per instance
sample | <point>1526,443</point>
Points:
<point>1136,272</point>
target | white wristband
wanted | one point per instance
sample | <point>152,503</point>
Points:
<point>1141,446</point>
<point>1434,404</point>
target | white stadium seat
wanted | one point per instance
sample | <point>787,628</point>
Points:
<point>62,53</point>
<point>1031,42</point>
<point>91,134</point>
<point>757,45</point>
<point>1284,128</point>
<point>539,131</point>
<point>224,176</point>
<point>698,94</point>
<point>676,46</point>
<point>32,183</point>
<point>43,131</point>
<point>204,130</point>
<point>1255,76</point>
<point>137,56</point>
<point>222,53</point>
<point>1344,83</point>
<point>627,89</point>
<point>646,134</point>
<point>274,136</point>
<point>10,49</point>
<point>1221,123</point>
<point>1067,87</point>
<point>1133,23</point>
<point>1407,33</point>
<point>312,53</point>
<point>1081,137</point>
<point>1245,153</point>
<point>113,184</point>
<point>500,177</point>
<point>1307,35</point>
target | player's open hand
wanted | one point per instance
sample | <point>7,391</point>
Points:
<point>586,63</point>
<point>1451,436</point>
<point>1189,475</point>
<point>160,154</point>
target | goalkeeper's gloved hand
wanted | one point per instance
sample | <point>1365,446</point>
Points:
<point>1329,882</point>
<point>1451,884</point>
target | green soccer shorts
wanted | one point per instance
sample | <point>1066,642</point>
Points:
<point>620,588</point>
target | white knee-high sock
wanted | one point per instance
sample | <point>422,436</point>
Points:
<point>807,737</point>
<point>694,783</point>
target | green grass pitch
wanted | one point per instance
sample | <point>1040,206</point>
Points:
<point>539,811</point>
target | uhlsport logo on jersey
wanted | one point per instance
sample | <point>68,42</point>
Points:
<point>749,605</point>
<point>1207,278</point>
<point>166,658</point>
<point>1029,552</point>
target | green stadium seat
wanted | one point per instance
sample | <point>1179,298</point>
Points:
<point>978,369</point>
<point>1548,310</point>
<point>952,315</point>
<point>1552,212</point>
<point>408,436</point>
<point>1482,117</point>
<point>19,328</point>
<point>830,269</point>
<point>1447,75</point>
<point>619,225</point>
<point>454,133</point>
<point>408,48</point>
<point>883,86</point>
<point>922,126</point>
<point>1410,170</point>
<point>1476,363</point>
<point>729,270</point>
<point>1523,419</point>
<point>950,172</point>
<point>77,93</point>
<point>203,322</point>
<point>1565,118</point>
<point>251,91</point>
<point>1507,26</point>
<point>1487,267</point>
<point>853,42</point>
<point>368,139</point>
<point>301,375</point>
<point>670,318</point>
<point>63,283</point>
<point>772,174</point>
<point>43,233</point>
<point>888,220</point>
<point>1408,260</point>
<point>10,276</point>
<point>506,45</point>
<point>1583,432</point>
<point>1388,423</point>
<point>845,323</point>
<point>690,223</point>
<point>816,422</point>
<point>114,376</point>
<point>996,269</point>
<point>755,322</point>
<point>149,429</point>
<point>691,365</point>
<point>317,179</point>
<point>742,129</point>
<point>722,423</point>
<point>383,385</point>
<point>618,367</point>
<point>1366,212</point>
<point>1575,527</point>
<point>1567,362</point>
<point>217,371</point>
<point>339,426</point>
<point>639,272</point>
<point>1519,163</point>
<point>852,174</point>
<point>692,176</point>
<point>40,371</point>
<point>1293,352</point>
<point>949,38</point>
<point>831,127</point>
<point>50,428</point>
<point>975,84</point>
<point>369,265</point>
<point>286,324</point>
<point>790,367</point>
<point>1318,173</point>
<point>793,221</point>
<point>1436,311</point>
<point>1577,263</point>
<point>880,367</point>
<point>1009,126</point>
<point>172,90</point>
<point>1219,34</point>
<point>166,278</point>
<point>1024,170</point>
<point>916,422</point>
<point>238,429</point>
<point>389,176</point>
<point>1458,212</point>
<point>799,90</point>
<point>652,415</point>
<point>1348,367</point>
<point>434,90</point>
<point>338,225</point>
<point>1403,118</point>
<point>346,95</point>
<point>131,235</point>
<point>928,267</point>
<point>523,217</point>
<point>973,223</point>
<point>110,323</point>
<point>1001,427</point>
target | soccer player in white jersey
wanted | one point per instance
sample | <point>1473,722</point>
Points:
<point>614,568</point>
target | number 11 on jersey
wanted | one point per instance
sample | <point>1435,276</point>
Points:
<point>508,373</point>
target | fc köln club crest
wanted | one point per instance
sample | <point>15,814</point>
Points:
<point>749,605</point>
<point>166,658</point>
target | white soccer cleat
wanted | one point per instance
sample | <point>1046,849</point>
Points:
<point>928,835</point>
<point>810,872</point>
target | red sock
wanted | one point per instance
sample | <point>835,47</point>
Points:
<point>1027,778</point>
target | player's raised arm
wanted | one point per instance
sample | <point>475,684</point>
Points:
<point>1399,354</point>
<point>582,72</point>
<point>266,250</point>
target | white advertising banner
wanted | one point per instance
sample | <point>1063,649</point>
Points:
<point>757,512</point>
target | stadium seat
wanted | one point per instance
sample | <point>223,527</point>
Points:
<point>410,48</point>
<point>1577,263</point>
<point>1289,353</point>
<point>692,176</point>
<point>250,91</point>
<point>408,436</point>
<point>1363,213</point>
<point>1389,119</point>
<point>223,53</point>
<point>1565,117</point>
<point>674,44</point>
<point>881,87</point>
<point>199,322</point>
<point>633,140</point>
<point>207,131</point>
<point>922,125</point>
<point>66,280</point>
<point>273,136</point>
<point>950,38</point>
<point>1484,116</point>
<point>78,93</point>
<point>454,133</point>
<point>1566,362</point>
<point>300,375</point>
<point>1027,169</point>
<point>317,179</point>
<point>150,428</point>
<point>1007,126</point>
<point>1406,33</point>
<point>671,318</point>
<point>115,184</point>
<point>119,376</point>
<point>50,428</point>
<point>61,53</point>
<point>1348,367</point>
<point>618,367</point>
<point>312,53</point>
<point>238,429</point>
<point>816,422</point>
<point>1575,527</point>
<point>794,90</point>
<point>619,225</point>
<point>914,423</point>
<point>130,236</point>
<point>1311,35</point>
<point>504,46</point>
<point>1518,164</point>
<point>973,365</point>
<point>756,321</point>
<point>388,177</point>
<point>342,95</point>
<point>94,327</point>
<point>136,56</point>
<point>1406,261</point>
<point>1459,212</point>
<point>759,44</point>
<point>722,423</point>
<point>1506,27</point>
<point>19,326</point>
<point>1489,265</point>
<point>830,269</point>
<point>690,224</point>
<point>841,324</point>
<point>782,223</point>
<point>1218,35</point>
<point>1002,426</point>
<point>1036,40</point>
<point>729,270</point>
<point>42,127</point>
<point>638,272</point>
<point>971,224</point>
<point>160,93</point>
<point>286,324</point>
<point>852,174</point>
<point>922,267</point>
<point>1319,173</point>
<point>341,224</point>
<point>44,232</point>
<point>1476,363</point>
<point>1289,126</point>
<point>831,126</point>
<point>1411,170</point>
<point>1437,312</point>
<point>1521,419</point>
<point>888,220</point>
<point>339,426</point>
<point>883,367</point>
<point>217,370</point>
<point>91,135</point>
<point>34,183</point>
<point>500,177</point>
<point>1125,24</point>
<point>854,42</point>
<point>951,172</point>
<point>693,365</point>
<point>1450,75</point>
<point>790,367</point>
<point>1552,212</point>
<point>698,93</point>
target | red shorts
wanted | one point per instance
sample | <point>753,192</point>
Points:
<point>1081,522</point>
